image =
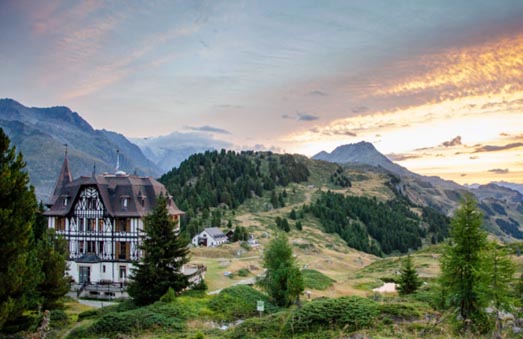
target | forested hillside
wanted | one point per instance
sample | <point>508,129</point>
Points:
<point>208,186</point>
<point>377,227</point>
<point>227,178</point>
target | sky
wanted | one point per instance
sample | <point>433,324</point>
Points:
<point>437,86</point>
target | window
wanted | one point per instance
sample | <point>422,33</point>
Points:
<point>101,249</point>
<point>121,225</point>
<point>122,250</point>
<point>81,247</point>
<point>60,224</point>
<point>124,202</point>
<point>103,268</point>
<point>100,225</point>
<point>91,225</point>
<point>65,201</point>
<point>91,247</point>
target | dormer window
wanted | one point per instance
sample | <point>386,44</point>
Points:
<point>124,202</point>
<point>66,200</point>
<point>141,199</point>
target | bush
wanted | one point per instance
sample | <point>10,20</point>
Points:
<point>58,318</point>
<point>169,296</point>
<point>89,314</point>
<point>156,315</point>
<point>400,311</point>
<point>239,302</point>
<point>253,328</point>
<point>316,280</point>
<point>243,272</point>
<point>352,313</point>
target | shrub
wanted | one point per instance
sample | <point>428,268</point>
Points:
<point>169,296</point>
<point>353,313</point>
<point>243,272</point>
<point>400,311</point>
<point>316,280</point>
<point>58,318</point>
<point>239,302</point>
<point>88,314</point>
<point>266,327</point>
<point>157,315</point>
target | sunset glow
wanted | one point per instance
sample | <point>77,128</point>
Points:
<point>439,88</point>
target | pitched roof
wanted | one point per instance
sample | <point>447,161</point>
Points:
<point>215,232</point>
<point>141,194</point>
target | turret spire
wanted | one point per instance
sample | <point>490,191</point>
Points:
<point>64,178</point>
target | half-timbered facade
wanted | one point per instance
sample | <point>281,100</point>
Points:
<point>101,217</point>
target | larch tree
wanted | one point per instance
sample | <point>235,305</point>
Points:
<point>498,274</point>
<point>19,271</point>
<point>166,252</point>
<point>409,281</point>
<point>283,280</point>
<point>462,265</point>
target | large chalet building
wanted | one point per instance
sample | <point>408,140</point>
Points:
<point>101,217</point>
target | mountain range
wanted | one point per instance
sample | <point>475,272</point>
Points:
<point>42,133</point>
<point>501,203</point>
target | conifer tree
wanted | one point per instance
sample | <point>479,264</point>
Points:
<point>462,264</point>
<point>283,280</point>
<point>52,255</point>
<point>497,273</point>
<point>165,254</point>
<point>409,281</point>
<point>18,265</point>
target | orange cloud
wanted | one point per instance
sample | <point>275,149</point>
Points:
<point>494,67</point>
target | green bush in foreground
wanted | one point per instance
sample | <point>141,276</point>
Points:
<point>316,280</point>
<point>352,313</point>
<point>239,302</point>
<point>116,319</point>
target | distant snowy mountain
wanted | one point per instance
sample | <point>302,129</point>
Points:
<point>170,150</point>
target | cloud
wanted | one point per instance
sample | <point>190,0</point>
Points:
<point>208,128</point>
<point>306,117</point>
<point>317,93</point>
<point>492,148</point>
<point>402,156</point>
<point>301,116</point>
<point>499,170</point>
<point>486,68</point>
<point>454,142</point>
<point>263,148</point>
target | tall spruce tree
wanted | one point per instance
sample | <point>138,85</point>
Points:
<point>52,255</point>
<point>166,252</point>
<point>19,271</point>
<point>462,264</point>
<point>283,280</point>
<point>409,281</point>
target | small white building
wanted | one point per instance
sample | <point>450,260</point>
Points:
<point>210,237</point>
